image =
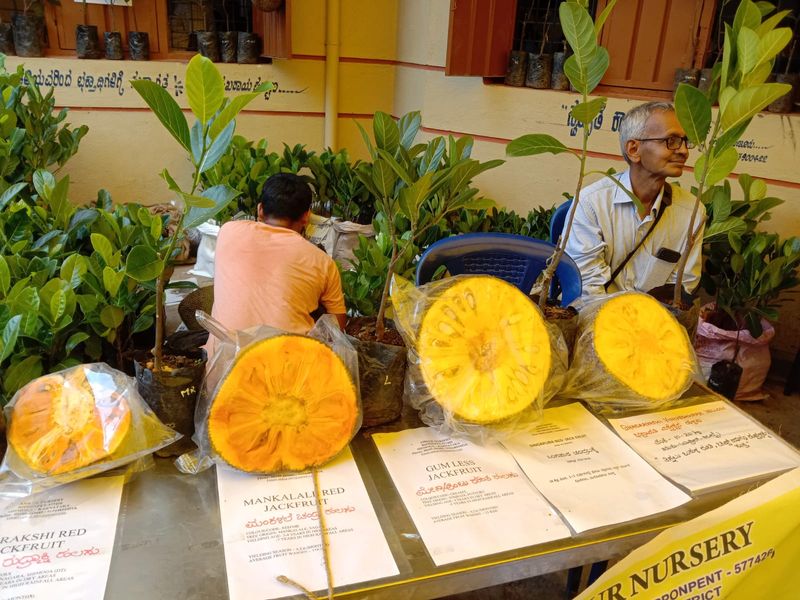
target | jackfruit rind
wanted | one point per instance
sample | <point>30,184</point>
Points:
<point>287,403</point>
<point>484,349</point>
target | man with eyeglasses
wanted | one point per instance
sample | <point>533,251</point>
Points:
<point>618,247</point>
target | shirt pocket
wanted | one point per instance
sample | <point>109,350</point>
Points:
<point>656,272</point>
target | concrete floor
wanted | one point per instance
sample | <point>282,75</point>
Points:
<point>779,412</point>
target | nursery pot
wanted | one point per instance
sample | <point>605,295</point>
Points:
<point>381,373</point>
<point>540,67</point>
<point>785,103</point>
<point>724,378</point>
<point>172,395</point>
<point>687,314</point>
<point>517,67</point>
<point>139,45</point>
<point>559,80</point>
<point>705,79</point>
<point>228,42</point>
<point>688,76</point>
<point>87,43</point>
<point>247,49</point>
<point>113,41</point>
<point>28,35</point>
<point>7,39</point>
<point>208,45</point>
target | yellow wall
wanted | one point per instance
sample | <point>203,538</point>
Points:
<point>393,54</point>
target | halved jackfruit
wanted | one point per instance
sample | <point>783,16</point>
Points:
<point>288,403</point>
<point>643,346</point>
<point>484,349</point>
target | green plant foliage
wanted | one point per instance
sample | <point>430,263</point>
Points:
<point>206,144</point>
<point>415,187</point>
<point>746,269</point>
<point>338,189</point>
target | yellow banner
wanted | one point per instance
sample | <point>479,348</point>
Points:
<point>746,549</point>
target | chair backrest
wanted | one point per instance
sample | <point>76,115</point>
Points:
<point>514,258</point>
<point>558,219</point>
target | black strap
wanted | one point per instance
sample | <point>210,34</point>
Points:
<point>666,200</point>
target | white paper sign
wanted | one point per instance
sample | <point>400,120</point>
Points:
<point>588,473</point>
<point>466,500</point>
<point>270,528</point>
<point>57,544</point>
<point>706,445</point>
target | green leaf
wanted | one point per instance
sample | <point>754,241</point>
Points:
<point>730,137</point>
<point>112,280</point>
<point>217,149</point>
<point>73,269</point>
<point>143,264</point>
<point>758,75</point>
<point>415,195</point>
<point>579,31</point>
<point>409,127</point>
<point>386,131</point>
<point>770,24</point>
<point>104,248</point>
<point>205,90</point>
<point>197,201</point>
<point>721,166</point>
<point>221,195</point>
<point>694,112</point>
<point>43,183</point>
<point>8,340</point>
<point>171,183</point>
<point>747,50</point>
<point>601,20</point>
<point>536,143</point>
<point>585,112</point>
<point>721,204</point>
<point>112,316</point>
<point>746,103</point>
<point>58,305</point>
<point>758,189</point>
<point>737,263</point>
<point>383,178</point>
<point>21,373</point>
<point>732,224</point>
<point>727,55</point>
<point>772,43</point>
<point>166,109</point>
<point>74,340</point>
<point>232,109</point>
<point>367,141</point>
<point>5,276</point>
<point>396,166</point>
<point>10,193</point>
<point>586,76</point>
<point>747,15</point>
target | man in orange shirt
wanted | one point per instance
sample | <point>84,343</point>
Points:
<point>267,273</point>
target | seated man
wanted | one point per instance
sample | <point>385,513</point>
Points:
<point>266,273</point>
<point>607,229</point>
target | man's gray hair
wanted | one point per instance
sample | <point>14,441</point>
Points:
<point>635,120</point>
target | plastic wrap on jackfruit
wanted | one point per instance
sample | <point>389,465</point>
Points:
<point>483,361</point>
<point>275,402</point>
<point>631,354</point>
<point>76,423</point>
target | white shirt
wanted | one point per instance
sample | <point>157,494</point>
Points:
<point>607,226</point>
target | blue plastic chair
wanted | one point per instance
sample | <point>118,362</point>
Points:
<point>558,219</point>
<point>514,258</point>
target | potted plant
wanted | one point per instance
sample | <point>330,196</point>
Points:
<point>584,68</point>
<point>247,43</point>
<point>6,38</point>
<point>739,84</point>
<point>228,39</point>
<point>415,187</point>
<point>87,43</point>
<point>207,41</point>
<point>518,59</point>
<point>540,66</point>
<point>745,272</point>
<point>113,38</point>
<point>138,41</point>
<point>170,383</point>
<point>29,28</point>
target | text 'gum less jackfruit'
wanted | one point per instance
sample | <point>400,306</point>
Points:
<point>484,350</point>
<point>632,350</point>
<point>62,423</point>
<point>288,403</point>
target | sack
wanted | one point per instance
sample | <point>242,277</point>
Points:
<point>321,231</point>
<point>204,264</point>
<point>713,344</point>
<point>347,233</point>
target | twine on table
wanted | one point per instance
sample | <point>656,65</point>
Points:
<point>323,531</point>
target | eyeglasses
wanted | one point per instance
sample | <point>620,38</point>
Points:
<point>673,142</point>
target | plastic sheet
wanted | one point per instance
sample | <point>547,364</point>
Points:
<point>508,348</point>
<point>650,349</point>
<point>233,343</point>
<point>74,424</point>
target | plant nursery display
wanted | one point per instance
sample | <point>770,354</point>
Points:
<point>287,403</point>
<point>482,362</point>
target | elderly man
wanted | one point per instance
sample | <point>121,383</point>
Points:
<point>618,247</point>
